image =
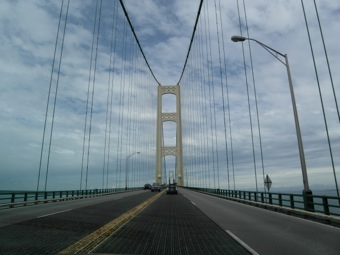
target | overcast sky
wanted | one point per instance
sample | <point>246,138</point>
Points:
<point>164,28</point>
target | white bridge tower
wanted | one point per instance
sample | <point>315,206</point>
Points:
<point>174,150</point>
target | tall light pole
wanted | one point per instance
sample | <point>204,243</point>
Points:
<point>127,168</point>
<point>307,193</point>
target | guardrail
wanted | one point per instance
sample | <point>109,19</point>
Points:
<point>327,205</point>
<point>10,199</point>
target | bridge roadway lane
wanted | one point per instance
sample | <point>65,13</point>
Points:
<point>50,228</point>
<point>170,225</point>
<point>16,215</point>
<point>268,232</point>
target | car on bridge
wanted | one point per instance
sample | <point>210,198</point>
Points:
<point>155,187</point>
<point>147,186</point>
<point>172,189</point>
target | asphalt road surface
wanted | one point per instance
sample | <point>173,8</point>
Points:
<point>268,232</point>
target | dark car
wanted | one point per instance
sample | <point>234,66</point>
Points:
<point>172,189</point>
<point>147,186</point>
<point>155,187</point>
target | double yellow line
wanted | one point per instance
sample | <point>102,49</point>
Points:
<point>96,238</point>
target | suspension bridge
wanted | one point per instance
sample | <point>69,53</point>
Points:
<point>102,115</point>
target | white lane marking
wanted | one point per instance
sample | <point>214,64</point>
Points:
<point>46,215</point>
<point>193,203</point>
<point>246,246</point>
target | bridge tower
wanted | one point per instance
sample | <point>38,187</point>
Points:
<point>162,151</point>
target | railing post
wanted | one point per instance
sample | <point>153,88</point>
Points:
<point>308,200</point>
<point>292,201</point>
<point>45,196</point>
<point>270,198</point>
<point>325,205</point>
<point>280,199</point>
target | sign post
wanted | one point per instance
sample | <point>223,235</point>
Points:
<point>267,182</point>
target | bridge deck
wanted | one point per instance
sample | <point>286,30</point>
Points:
<point>170,225</point>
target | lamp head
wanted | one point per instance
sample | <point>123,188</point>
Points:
<point>238,38</point>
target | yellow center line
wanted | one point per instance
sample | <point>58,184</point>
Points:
<point>96,238</point>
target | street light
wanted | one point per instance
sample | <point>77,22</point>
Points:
<point>127,168</point>
<point>307,193</point>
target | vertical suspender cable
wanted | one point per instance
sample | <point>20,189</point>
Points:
<point>255,94</point>
<point>201,113</point>
<point>122,101</point>
<point>247,86</point>
<point>197,163</point>
<point>55,95</point>
<point>92,97</point>
<point>214,105</point>
<point>326,55</point>
<point>207,80</point>
<point>222,89</point>
<point>49,94</point>
<point>321,100</point>
<point>213,102</point>
<point>207,109</point>
<point>127,108</point>
<point>228,105</point>
<point>107,145</point>
<point>114,22</point>
<point>87,99</point>
<point>106,120</point>
<point>134,110</point>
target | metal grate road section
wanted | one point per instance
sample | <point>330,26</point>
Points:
<point>52,234</point>
<point>170,225</point>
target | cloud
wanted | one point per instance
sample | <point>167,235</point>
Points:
<point>28,33</point>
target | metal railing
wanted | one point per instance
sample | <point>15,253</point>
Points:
<point>327,205</point>
<point>10,199</point>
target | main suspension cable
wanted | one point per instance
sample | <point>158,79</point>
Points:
<point>136,38</point>
<point>192,39</point>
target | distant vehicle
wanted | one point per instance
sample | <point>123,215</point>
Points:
<point>155,187</point>
<point>147,186</point>
<point>172,189</point>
